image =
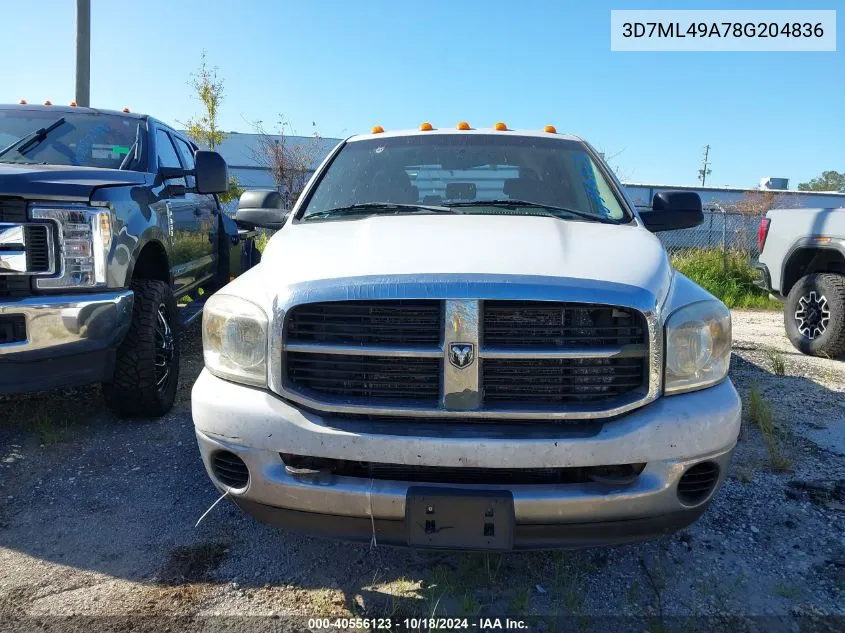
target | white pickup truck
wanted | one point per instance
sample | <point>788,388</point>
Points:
<point>468,339</point>
<point>802,263</point>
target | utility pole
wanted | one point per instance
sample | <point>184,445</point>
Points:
<point>705,166</point>
<point>83,53</point>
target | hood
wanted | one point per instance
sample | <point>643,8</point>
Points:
<point>465,244</point>
<point>61,181</point>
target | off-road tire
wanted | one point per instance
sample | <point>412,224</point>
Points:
<point>133,391</point>
<point>831,342</point>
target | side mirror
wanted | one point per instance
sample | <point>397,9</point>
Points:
<point>211,172</point>
<point>261,210</point>
<point>673,210</point>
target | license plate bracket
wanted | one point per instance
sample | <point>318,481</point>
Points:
<point>454,518</point>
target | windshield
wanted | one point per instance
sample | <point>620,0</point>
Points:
<point>471,173</point>
<point>84,139</point>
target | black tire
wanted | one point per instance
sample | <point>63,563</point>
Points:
<point>141,388</point>
<point>814,315</point>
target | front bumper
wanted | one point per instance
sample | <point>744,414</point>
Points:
<point>69,339</point>
<point>669,435</point>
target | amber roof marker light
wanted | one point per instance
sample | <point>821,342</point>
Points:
<point>48,102</point>
<point>550,129</point>
<point>22,102</point>
<point>73,104</point>
<point>126,110</point>
<point>463,125</point>
<point>377,129</point>
<point>426,127</point>
<point>501,127</point>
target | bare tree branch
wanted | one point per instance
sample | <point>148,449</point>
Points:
<point>290,164</point>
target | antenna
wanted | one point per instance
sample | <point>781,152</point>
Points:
<point>705,166</point>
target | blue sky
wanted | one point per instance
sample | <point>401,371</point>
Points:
<point>347,65</point>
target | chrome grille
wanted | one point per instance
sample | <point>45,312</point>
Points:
<point>25,247</point>
<point>530,358</point>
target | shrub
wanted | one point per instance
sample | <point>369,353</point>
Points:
<point>728,276</point>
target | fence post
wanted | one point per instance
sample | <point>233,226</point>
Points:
<point>724,238</point>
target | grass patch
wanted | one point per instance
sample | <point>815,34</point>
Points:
<point>728,276</point>
<point>520,601</point>
<point>48,431</point>
<point>760,414</point>
<point>777,360</point>
<point>261,241</point>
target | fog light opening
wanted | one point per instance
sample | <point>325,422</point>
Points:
<point>697,483</point>
<point>230,470</point>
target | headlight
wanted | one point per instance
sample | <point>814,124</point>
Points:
<point>84,238</point>
<point>234,340</point>
<point>698,346</point>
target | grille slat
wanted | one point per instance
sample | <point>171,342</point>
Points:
<point>12,210</point>
<point>14,286</point>
<point>367,322</point>
<point>528,324</point>
<point>366,378</point>
<point>558,381</point>
<point>37,248</point>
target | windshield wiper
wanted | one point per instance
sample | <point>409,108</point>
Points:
<point>134,152</point>
<point>32,139</point>
<point>515,204</point>
<point>354,209</point>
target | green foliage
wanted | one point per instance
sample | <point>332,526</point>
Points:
<point>233,192</point>
<point>208,88</point>
<point>728,276</point>
<point>189,246</point>
<point>828,181</point>
<point>261,241</point>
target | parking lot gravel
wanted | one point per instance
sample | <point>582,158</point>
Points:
<point>98,514</point>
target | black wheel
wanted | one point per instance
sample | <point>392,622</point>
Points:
<point>814,315</point>
<point>147,366</point>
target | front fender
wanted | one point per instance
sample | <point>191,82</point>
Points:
<point>136,223</point>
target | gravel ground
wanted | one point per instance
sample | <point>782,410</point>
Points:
<point>97,518</point>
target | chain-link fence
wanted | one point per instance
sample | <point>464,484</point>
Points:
<point>721,230</point>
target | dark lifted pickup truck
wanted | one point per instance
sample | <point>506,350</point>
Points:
<point>106,218</point>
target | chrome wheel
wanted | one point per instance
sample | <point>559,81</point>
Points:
<point>812,315</point>
<point>164,345</point>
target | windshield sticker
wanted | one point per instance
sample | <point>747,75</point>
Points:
<point>85,146</point>
<point>379,149</point>
<point>120,149</point>
<point>588,178</point>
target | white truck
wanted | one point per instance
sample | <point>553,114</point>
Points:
<point>802,263</point>
<point>468,339</point>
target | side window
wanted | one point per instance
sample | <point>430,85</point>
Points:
<point>186,153</point>
<point>166,153</point>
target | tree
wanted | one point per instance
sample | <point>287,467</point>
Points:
<point>290,164</point>
<point>828,181</point>
<point>208,88</point>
